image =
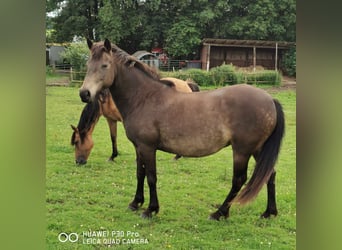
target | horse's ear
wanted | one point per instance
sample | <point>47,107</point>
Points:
<point>107,45</point>
<point>73,128</point>
<point>90,43</point>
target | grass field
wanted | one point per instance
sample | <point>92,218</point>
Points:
<point>94,198</point>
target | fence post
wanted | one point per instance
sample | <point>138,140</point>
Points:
<point>71,78</point>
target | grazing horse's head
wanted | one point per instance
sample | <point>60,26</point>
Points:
<point>83,145</point>
<point>100,70</point>
<point>82,134</point>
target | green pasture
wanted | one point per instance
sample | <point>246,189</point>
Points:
<point>83,200</point>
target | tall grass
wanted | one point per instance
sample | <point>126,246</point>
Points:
<point>95,197</point>
<point>226,74</point>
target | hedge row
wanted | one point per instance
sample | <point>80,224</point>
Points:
<point>226,75</point>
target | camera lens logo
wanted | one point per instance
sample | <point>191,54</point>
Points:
<point>64,237</point>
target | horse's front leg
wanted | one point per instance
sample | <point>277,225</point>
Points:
<point>148,156</point>
<point>139,195</point>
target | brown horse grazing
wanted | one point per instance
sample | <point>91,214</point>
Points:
<point>105,106</point>
<point>196,124</point>
<point>82,134</point>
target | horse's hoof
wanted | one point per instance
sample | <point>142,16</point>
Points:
<point>177,157</point>
<point>133,207</point>
<point>110,159</point>
<point>217,215</point>
<point>146,215</point>
<point>214,216</point>
<point>267,214</point>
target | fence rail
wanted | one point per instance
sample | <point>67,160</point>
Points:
<point>182,69</point>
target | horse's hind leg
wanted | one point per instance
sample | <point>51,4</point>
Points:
<point>177,157</point>
<point>113,132</point>
<point>239,178</point>
<point>271,198</point>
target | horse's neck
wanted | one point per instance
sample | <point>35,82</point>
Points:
<point>131,88</point>
<point>109,109</point>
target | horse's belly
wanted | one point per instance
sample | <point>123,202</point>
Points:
<point>196,145</point>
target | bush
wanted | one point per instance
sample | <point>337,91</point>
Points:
<point>270,77</point>
<point>201,77</point>
<point>49,70</point>
<point>226,74</point>
<point>77,54</point>
<point>223,75</point>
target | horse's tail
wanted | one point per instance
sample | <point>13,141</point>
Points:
<point>193,86</point>
<point>265,161</point>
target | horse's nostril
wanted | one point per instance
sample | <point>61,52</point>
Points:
<point>81,162</point>
<point>85,95</point>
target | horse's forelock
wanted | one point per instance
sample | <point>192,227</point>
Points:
<point>73,138</point>
<point>97,50</point>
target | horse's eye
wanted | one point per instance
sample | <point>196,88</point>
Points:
<point>104,66</point>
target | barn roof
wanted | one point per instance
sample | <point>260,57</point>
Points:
<point>246,43</point>
<point>141,53</point>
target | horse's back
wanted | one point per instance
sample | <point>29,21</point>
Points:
<point>179,85</point>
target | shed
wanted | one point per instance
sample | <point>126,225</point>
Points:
<point>243,53</point>
<point>147,58</point>
<point>53,52</point>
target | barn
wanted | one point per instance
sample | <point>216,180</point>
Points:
<point>147,58</point>
<point>243,53</point>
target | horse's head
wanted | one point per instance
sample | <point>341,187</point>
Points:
<point>100,70</point>
<point>83,145</point>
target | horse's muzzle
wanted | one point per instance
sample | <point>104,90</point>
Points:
<point>85,95</point>
<point>81,161</point>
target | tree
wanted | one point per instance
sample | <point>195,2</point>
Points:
<point>75,18</point>
<point>177,25</point>
<point>262,20</point>
<point>183,38</point>
<point>289,62</point>
<point>110,25</point>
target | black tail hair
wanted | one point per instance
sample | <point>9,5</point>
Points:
<point>193,86</point>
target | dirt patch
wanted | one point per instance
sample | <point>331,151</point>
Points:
<point>287,83</point>
<point>63,81</point>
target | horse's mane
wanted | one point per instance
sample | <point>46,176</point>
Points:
<point>90,114</point>
<point>132,61</point>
